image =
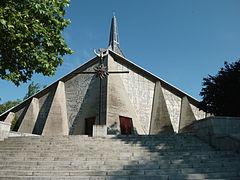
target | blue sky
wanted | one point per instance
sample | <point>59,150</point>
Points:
<point>178,41</point>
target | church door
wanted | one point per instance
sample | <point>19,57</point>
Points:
<point>89,122</point>
<point>125,125</point>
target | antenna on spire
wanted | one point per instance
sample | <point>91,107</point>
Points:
<point>114,13</point>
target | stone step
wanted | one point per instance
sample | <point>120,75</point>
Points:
<point>71,139</point>
<point>217,174</point>
<point>109,159</point>
<point>113,158</point>
<point>149,142</point>
<point>104,150</point>
<point>103,145</point>
<point>163,177</point>
<point>229,176</point>
<point>92,139</point>
<point>131,141</point>
<point>120,165</point>
<point>97,144</point>
<point>120,172</point>
<point>148,155</point>
<point>46,153</point>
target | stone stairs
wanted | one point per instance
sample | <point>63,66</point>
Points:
<point>115,157</point>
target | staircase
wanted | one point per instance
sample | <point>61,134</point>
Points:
<point>115,157</point>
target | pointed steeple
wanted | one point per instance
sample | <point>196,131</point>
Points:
<point>114,39</point>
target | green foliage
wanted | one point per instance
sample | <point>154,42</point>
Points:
<point>32,89</point>
<point>7,105</point>
<point>30,38</point>
<point>221,93</point>
<point>14,122</point>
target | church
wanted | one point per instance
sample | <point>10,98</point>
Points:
<point>108,91</point>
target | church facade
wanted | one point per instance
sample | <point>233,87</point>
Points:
<point>136,102</point>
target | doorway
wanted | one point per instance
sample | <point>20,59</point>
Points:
<point>125,125</point>
<point>89,122</point>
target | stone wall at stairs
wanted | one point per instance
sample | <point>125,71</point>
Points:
<point>220,132</point>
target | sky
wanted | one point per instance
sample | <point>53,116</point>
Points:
<point>181,42</point>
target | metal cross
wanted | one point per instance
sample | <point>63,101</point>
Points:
<point>101,72</point>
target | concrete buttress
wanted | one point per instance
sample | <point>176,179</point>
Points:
<point>118,103</point>
<point>30,117</point>
<point>10,117</point>
<point>160,119</point>
<point>186,117</point>
<point>57,122</point>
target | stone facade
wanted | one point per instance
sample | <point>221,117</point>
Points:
<point>63,107</point>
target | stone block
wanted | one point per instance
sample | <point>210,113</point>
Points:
<point>99,130</point>
<point>4,130</point>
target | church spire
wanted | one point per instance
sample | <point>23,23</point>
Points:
<point>114,39</point>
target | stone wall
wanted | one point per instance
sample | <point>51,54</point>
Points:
<point>77,93</point>
<point>4,130</point>
<point>220,132</point>
<point>82,96</point>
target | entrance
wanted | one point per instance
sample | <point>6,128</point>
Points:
<point>125,125</point>
<point>89,122</point>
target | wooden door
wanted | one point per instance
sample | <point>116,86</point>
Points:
<point>125,125</point>
<point>89,122</point>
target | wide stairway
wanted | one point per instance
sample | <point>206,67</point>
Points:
<point>115,157</point>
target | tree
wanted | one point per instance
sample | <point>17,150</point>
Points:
<point>30,38</point>
<point>7,105</point>
<point>220,93</point>
<point>32,89</point>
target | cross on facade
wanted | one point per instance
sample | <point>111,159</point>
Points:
<point>101,72</point>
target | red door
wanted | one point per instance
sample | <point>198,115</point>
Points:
<point>125,125</point>
<point>89,122</point>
